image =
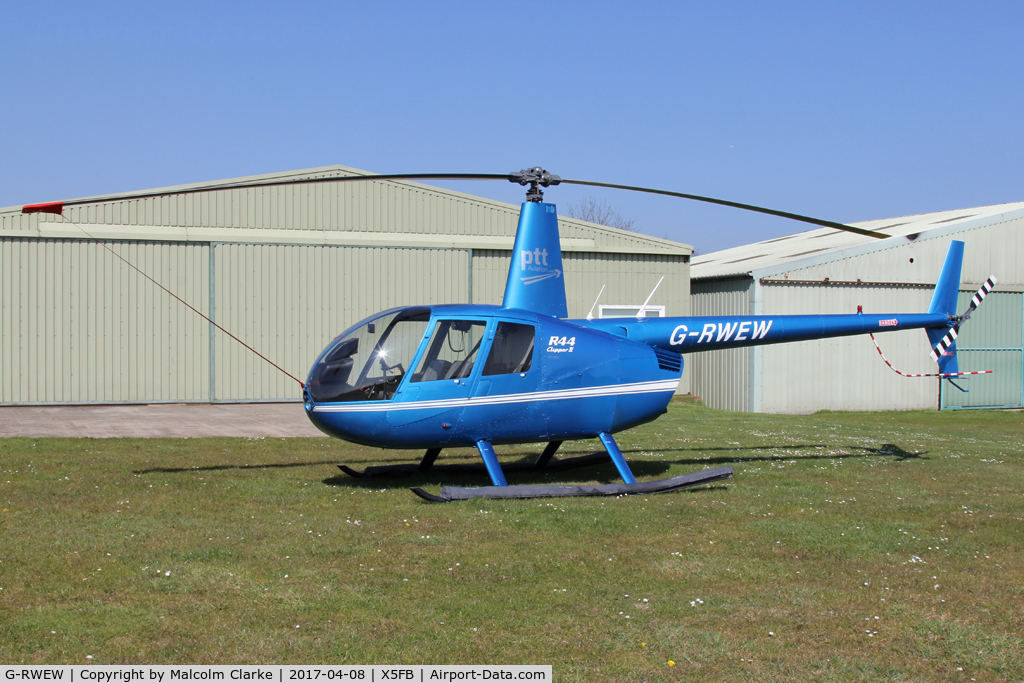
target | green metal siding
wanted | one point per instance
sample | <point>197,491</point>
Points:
<point>78,325</point>
<point>993,339</point>
<point>288,302</point>
<point>721,378</point>
<point>845,373</point>
<point>627,279</point>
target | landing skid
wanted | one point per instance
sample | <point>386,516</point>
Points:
<point>450,493</point>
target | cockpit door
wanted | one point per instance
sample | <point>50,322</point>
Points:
<point>502,402</point>
<point>435,392</point>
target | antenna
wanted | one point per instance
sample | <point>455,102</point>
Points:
<point>642,313</point>
<point>590,316</point>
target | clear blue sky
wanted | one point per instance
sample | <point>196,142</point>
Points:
<point>845,111</point>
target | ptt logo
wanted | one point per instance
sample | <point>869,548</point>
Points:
<point>537,257</point>
<point>536,261</point>
<point>892,322</point>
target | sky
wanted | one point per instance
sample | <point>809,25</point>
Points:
<point>838,110</point>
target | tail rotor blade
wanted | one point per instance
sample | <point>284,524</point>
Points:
<point>947,341</point>
<point>979,296</point>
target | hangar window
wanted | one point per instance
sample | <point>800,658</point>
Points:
<point>511,350</point>
<point>452,350</point>
<point>625,311</point>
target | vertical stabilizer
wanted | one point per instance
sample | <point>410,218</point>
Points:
<point>535,279</point>
<point>947,289</point>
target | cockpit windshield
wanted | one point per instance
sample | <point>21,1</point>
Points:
<point>367,363</point>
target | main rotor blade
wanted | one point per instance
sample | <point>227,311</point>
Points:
<point>735,205</point>
<point>49,207</point>
<point>57,207</point>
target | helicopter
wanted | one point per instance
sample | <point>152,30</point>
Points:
<point>434,377</point>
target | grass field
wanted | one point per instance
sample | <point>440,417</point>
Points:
<point>848,547</point>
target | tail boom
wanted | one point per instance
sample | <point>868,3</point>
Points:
<point>941,323</point>
<point>685,335</point>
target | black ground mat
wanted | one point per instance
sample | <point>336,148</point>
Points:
<point>450,493</point>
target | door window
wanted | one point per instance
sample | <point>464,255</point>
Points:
<point>512,349</point>
<point>452,350</point>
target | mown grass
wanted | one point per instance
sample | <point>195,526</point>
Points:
<point>848,547</point>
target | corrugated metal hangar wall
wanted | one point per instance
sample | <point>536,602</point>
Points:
<point>283,268</point>
<point>827,272</point>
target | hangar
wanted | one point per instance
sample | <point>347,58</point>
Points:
<point>284,268</point>
<point>825,271</point>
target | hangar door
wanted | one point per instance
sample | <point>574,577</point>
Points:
<point>993,339</point>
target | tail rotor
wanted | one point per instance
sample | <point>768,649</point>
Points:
<point>945,346</point>
<point>943,337</point>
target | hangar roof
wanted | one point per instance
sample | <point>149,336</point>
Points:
<point>825,244</point>
<point>382,213</point>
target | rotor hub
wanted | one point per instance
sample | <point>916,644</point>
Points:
<point>536,178</point>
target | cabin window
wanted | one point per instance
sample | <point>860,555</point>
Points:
<point>512,349</point>
<point>451,351</point>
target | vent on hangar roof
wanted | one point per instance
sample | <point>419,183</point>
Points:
<point>958,218</point>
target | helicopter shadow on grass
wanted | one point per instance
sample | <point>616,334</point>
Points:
<point>886,449</point>
<point>219,468</point>
<point>365,459</point>
<point>519,472</point>
<point>471,473</point>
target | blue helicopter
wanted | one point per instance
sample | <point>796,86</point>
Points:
<point>435,377</point>
<point>446,376</point>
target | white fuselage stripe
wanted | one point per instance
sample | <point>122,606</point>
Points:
<point>529,397</point>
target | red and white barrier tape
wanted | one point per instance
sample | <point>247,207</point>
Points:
<point>936,374</point>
